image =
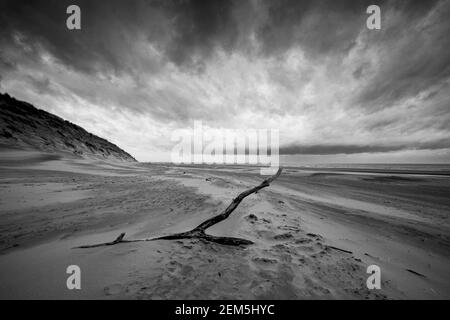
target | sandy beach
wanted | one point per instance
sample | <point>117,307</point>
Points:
<point>315,232</point>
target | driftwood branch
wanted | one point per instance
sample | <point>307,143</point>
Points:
<point>339,249</point>
<point>199,231</point>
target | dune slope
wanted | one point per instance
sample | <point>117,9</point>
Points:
<point>24,126</point>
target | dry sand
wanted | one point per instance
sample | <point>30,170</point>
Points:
<point>48,205</point>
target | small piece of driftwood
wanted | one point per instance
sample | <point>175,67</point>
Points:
<point>416,273</point>
<point>339,249</point>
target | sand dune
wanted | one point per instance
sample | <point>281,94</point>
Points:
<point>24,127</point>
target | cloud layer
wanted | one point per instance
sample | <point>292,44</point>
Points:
<point>137,70</point>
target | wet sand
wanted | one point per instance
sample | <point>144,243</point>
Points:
<point>398,221</point>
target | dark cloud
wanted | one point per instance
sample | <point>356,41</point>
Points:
<point>186,31</point>
<point>320,27</point>
<point>189,31</point>
<point>325,149</point>
<point>199,28</point>
<point>414,54</point>
<point>104,44</point>
<point>42,85</point>
<point>5,64</point>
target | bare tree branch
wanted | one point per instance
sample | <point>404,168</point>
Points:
<point>199,231</point>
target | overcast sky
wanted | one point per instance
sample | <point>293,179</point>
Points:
<point>337,91</point>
